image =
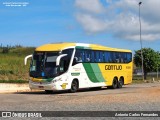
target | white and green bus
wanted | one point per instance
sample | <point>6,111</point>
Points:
<point>72,66</point>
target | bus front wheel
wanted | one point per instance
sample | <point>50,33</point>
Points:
<point>74,86</point>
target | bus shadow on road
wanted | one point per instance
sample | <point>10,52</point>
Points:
<point>56,92</point>
<point>67,92</point>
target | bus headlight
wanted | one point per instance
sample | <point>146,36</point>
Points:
<point>60,79</point>
<point>56,80</point>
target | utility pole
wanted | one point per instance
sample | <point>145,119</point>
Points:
<point>157,64</point>
<point>141,40</point>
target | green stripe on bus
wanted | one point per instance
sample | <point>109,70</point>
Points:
<point>75,74</point>
<point>97,72</point>
<point>90,72</point>
<point>82,47</point>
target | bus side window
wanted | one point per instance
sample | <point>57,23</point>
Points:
<point>129,57</point>
<point>87,56</point>
<point>112,55</point>
<point>83,55</point>
<point>78,56</point>
<point>122,58</point>
<point>125,57</point>
<point>101,56</point>
<point>97,56</point>
<point>92,56</point>
<point>106,57</point>
<point>117,57</point>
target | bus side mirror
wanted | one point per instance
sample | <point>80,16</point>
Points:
<point>59,58</point>
<point>26,58</point>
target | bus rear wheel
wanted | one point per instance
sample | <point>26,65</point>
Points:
<point>120,83</point>
<point>74,86</point>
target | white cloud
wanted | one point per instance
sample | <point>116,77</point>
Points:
<point>91,24</point>
<point>148,37</point>
<point>120,18</point>
<point>90,5</point>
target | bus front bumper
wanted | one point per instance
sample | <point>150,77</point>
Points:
<point>45,85</point>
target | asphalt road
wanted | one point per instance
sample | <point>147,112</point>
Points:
<point>136,97</point>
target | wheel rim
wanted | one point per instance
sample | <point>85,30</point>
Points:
<point>120,83</point>
<point>74,86</point>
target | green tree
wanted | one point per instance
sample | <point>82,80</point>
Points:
<point>158,60</point>
<point>151,60</point>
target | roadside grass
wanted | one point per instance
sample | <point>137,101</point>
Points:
<point>13,81</point>
<point>12,66</point>
<point>150,79</point>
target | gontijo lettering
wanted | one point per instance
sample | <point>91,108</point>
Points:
<point>113,67</point>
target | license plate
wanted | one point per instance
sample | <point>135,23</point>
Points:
<point>41,86</point>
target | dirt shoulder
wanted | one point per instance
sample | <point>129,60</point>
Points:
<point>13,87</point>
<point>148,88</point>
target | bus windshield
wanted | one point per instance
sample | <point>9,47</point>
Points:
<point>44,64</point>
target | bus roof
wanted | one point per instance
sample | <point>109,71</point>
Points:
<point>61,46</point>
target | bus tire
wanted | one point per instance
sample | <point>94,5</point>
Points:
<point>114,83</point>
<point>74,86</point>
<point>120,83</point>
<point>48,91</point>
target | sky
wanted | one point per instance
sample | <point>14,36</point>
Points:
<point>112,23</point>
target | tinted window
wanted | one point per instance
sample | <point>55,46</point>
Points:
<point>87,56</point>
<point>129,57</point>
<point>92,56</point>
<point>64,64</point>
<point>68,52</point>
<point>78,56</point>
<point>101,56</point>
<point>96,56</point>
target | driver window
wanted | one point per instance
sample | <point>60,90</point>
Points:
<point>64,63</point>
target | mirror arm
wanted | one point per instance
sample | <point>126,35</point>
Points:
<point>26,58</point>
<point>58,59</point>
